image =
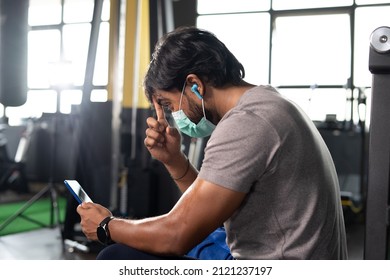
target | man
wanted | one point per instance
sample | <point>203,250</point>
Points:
<point>266,175</point>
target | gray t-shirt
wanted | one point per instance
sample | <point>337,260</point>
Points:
<point>268,148</point>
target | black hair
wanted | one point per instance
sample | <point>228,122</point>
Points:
<point>190,50</point>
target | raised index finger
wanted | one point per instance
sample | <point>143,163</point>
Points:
<point>159,110</point>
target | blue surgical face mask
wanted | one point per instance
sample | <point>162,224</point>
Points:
<point>203,128</point>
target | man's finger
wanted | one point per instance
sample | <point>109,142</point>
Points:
<point>159,110</point>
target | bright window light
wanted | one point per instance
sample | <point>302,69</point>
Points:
<point>304,4</point>
<point>37,103</point>
<point>82,11</point>
<point>106,10</point>
<point>99,95</point>
<point>371,2</point>
<point>76,41</point>
<point>100,75</point>
<point>61,74</point>
<point>252,51</point>
<point>78,11</point>
<point>57,56</point>
<point>69,98</point>
<point>309,50</point>
<point>232,6</point>
<point>43,51</point>
<point>317,103</point>
<point>51,9</point>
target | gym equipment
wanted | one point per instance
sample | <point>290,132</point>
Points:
<point>377,206</point>
<point>49,189</point>
<point>13,52</point>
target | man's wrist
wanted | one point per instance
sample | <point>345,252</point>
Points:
<point>179,167</point>
<point>103,232</point>
<point>184,173</point>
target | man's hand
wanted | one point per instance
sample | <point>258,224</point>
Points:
<point>91,215</point>
<point>162,141</point>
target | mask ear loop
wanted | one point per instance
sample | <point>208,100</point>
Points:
<point>204,113</point>
<point>182,93</point>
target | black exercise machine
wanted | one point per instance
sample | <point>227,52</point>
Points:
<point>377,206</point>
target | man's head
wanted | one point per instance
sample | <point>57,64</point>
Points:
<point>189,50</point>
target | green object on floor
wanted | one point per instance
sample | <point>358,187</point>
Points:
<point>40,211</point>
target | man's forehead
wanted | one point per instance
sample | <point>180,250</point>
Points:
<point>164,95</point>
<point>159,95</point>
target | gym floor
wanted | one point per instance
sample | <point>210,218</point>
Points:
<point>42,244</point>
<point>47,244</point>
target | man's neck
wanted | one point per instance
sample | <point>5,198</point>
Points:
<point>227,98</point>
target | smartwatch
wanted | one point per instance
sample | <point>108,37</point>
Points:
<point>102,231</point>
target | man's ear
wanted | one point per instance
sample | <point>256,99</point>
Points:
<point>195,90</point>
<point>197,85</point>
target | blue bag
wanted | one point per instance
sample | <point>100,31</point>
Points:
<point>213,247</point>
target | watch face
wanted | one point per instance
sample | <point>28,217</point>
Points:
<point>101,234</point>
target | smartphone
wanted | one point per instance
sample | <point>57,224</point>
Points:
<point>77,191</point>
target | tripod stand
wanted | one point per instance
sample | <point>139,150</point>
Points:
<point>49,189</point>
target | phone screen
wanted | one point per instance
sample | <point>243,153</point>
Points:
<point>77,191</point>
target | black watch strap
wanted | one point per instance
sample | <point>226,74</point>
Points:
<point>105,221</point>
<point>103,232</point>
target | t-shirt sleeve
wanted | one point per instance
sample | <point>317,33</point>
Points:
<point>239,151</point>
